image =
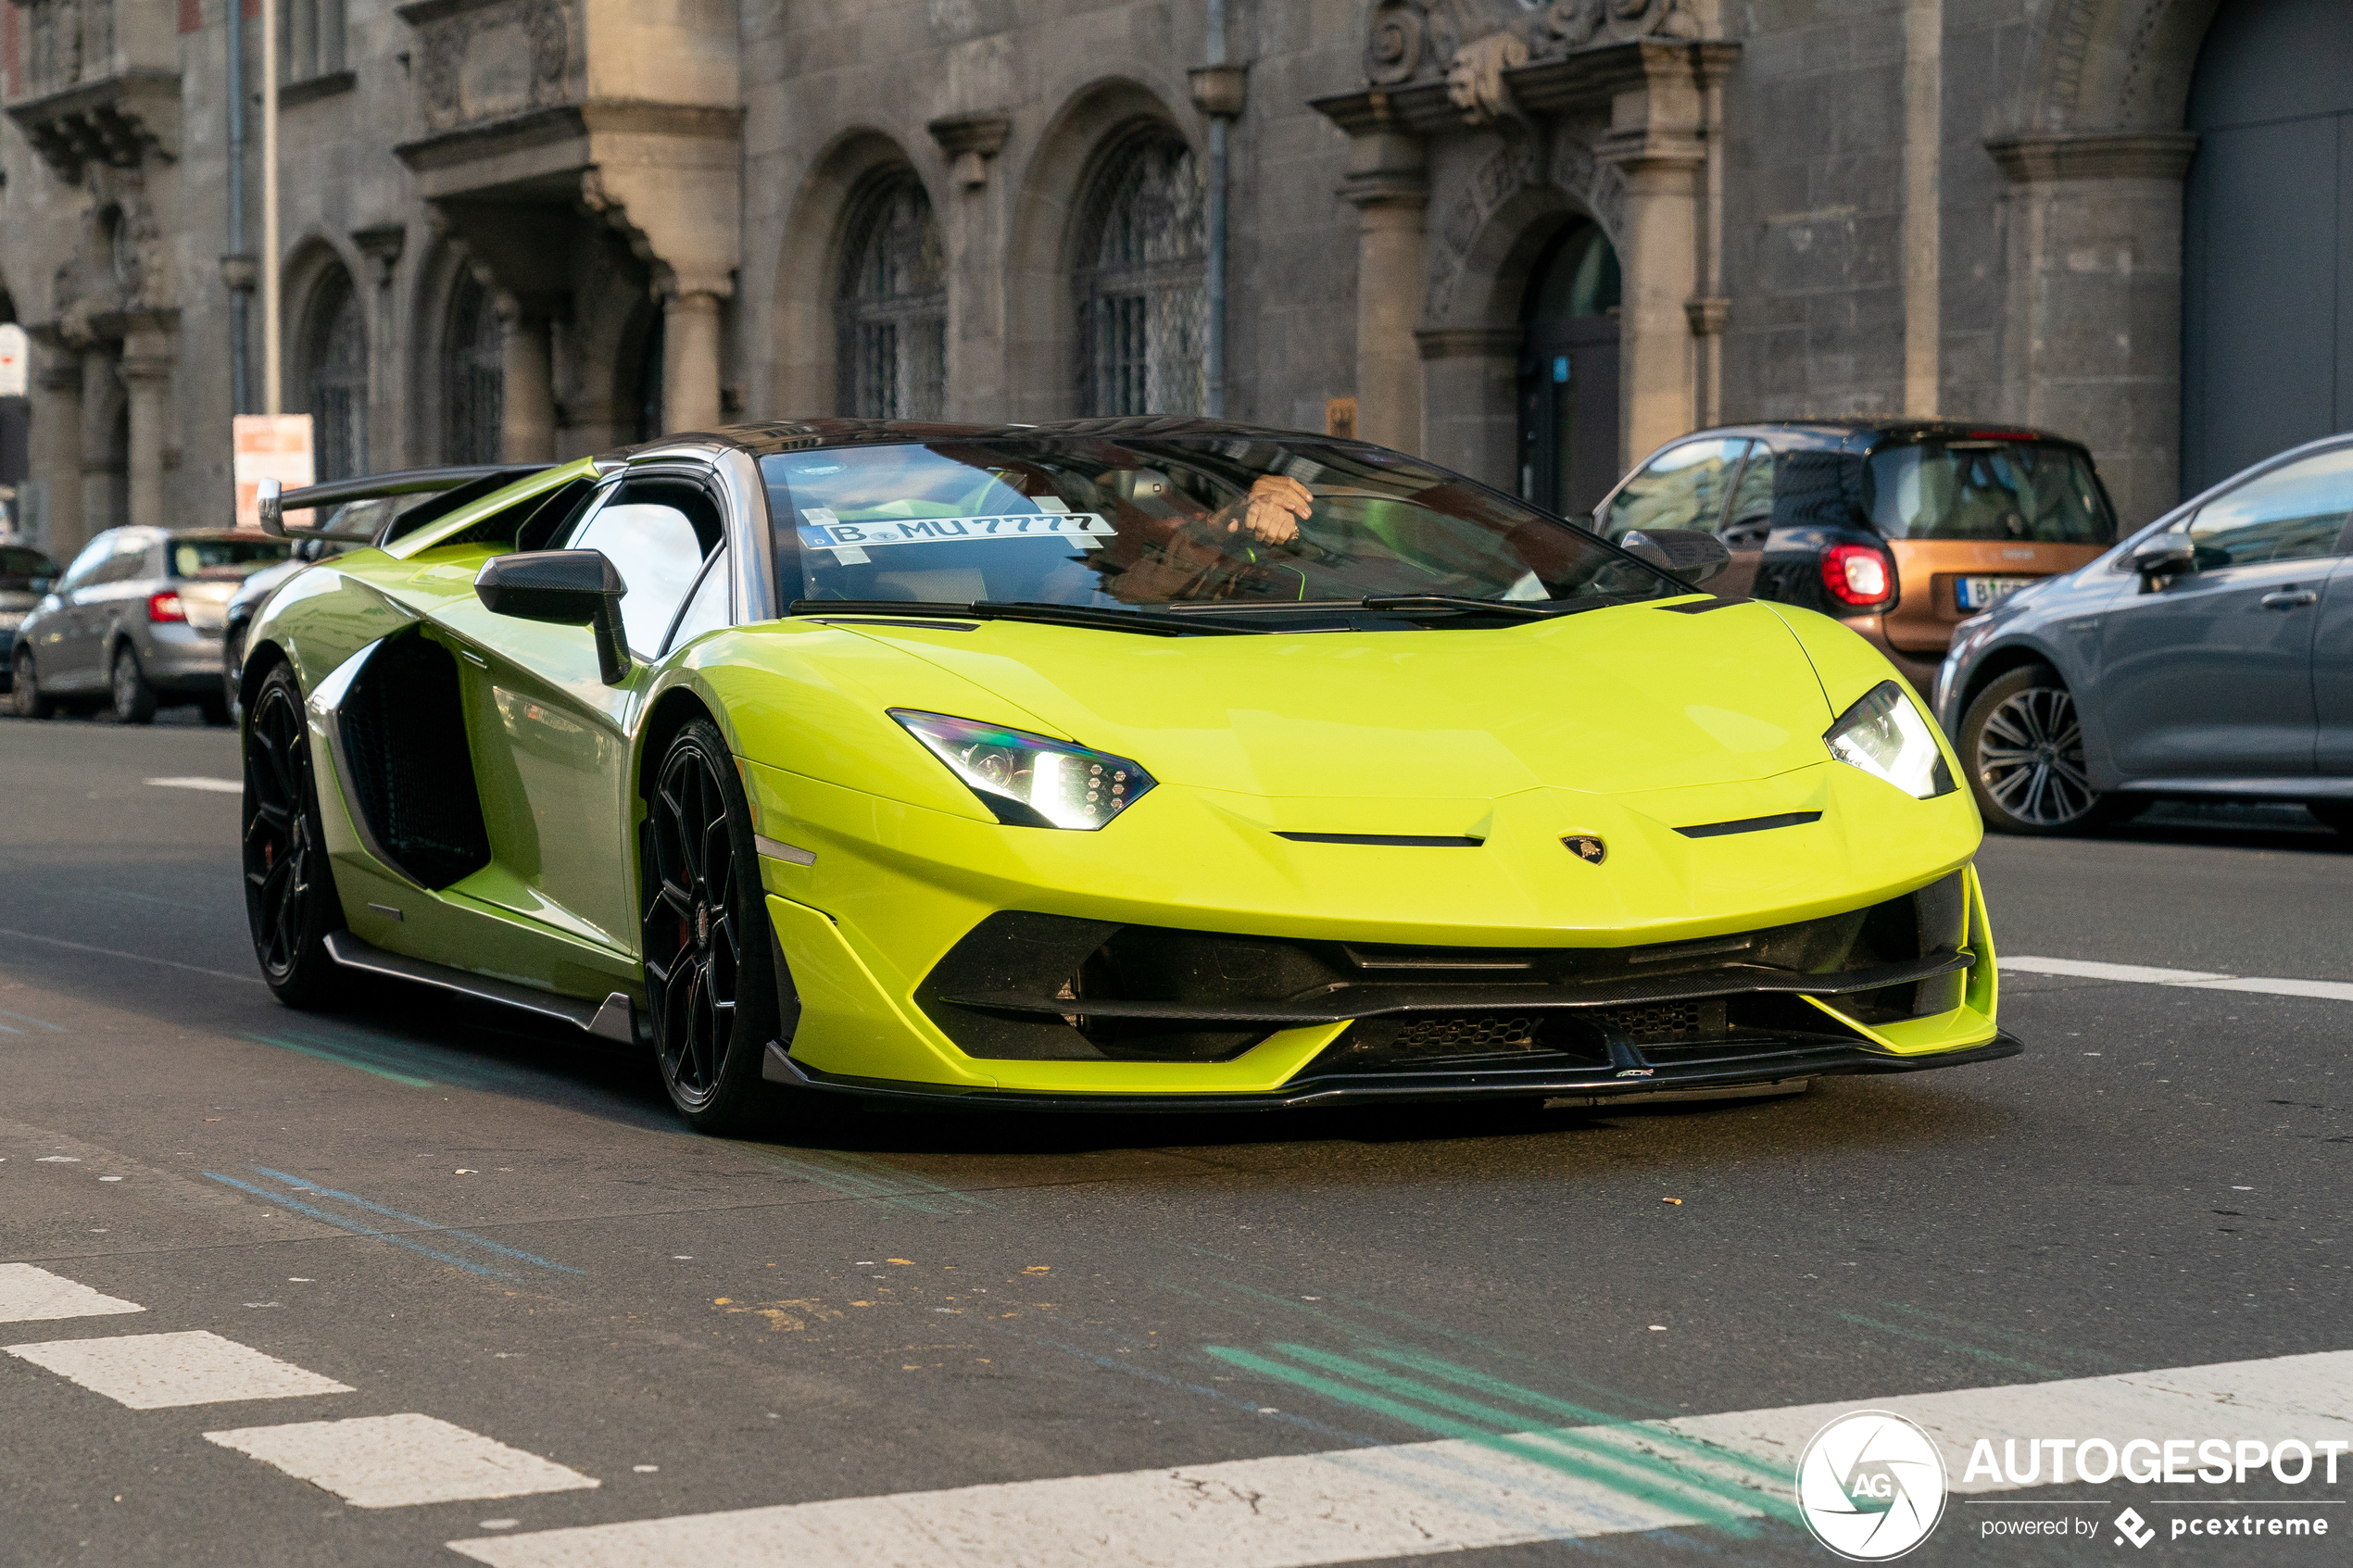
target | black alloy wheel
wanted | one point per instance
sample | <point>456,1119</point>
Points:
<point>2022,747</point>
<point>25,688</point>
<point>290,891</point>
<point>710,985</point>
<point>134,700</point>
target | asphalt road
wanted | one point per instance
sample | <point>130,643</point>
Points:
<point>915,1303</point>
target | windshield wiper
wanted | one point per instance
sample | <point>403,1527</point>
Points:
<point>1036,611</point>
<point>1516,609</point>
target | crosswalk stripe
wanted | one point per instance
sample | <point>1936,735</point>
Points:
<point>400,1461</point>
<point>1425,1499</point>
<point>2196,979</point>
<point>157,1371</point>
<point>30,1294</point>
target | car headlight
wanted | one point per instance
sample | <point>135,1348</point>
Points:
<point>1886,736</point>
<point>1028,780</point>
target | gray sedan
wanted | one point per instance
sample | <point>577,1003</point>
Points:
<point>2209,655</point>
<point>134,624</point>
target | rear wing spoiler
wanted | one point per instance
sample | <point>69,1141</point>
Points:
<point>455,487</point>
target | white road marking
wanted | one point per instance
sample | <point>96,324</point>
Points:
<point>2197,979</point>
<point>156,1371</point>
<point>1423,1498</point>
<point>216,787</point>
<point>399,1460</point>
<point>30,1294</point>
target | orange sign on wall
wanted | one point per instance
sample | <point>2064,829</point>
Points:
<point>270,446</point>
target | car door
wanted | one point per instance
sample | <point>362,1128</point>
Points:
<point>1684,486</point>
<point>2211,674</point>
<point>551,740</point>
<point>1747,522</point>
<point>2333,667</point>
<point>61,651</point>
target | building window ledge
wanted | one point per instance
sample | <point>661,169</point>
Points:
<point>315,88</point>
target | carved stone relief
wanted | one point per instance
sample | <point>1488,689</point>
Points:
<point>1569,166</point>
<point>493,61</point>
<point>1471,43</point>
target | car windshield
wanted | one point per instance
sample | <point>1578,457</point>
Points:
<point>225,560</point>
<point>1201,523</point>
<point>2033,492</point>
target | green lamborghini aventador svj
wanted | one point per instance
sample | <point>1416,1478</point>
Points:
<point>1121,764</point>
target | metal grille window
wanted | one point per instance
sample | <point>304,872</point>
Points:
<point>892,309</point>
<point>473,377</point>
<point>1142,298</point>
<point>337,375</point>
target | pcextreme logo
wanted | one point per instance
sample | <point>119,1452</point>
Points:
<point>1870,1485</point>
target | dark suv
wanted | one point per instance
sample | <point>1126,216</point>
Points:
<point>1901,528</point>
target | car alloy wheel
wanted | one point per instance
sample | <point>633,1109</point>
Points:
<point>709,980</point>
<point>26,688</point>
<point>135,700</point>
<point>2022,741</point>
<point>289,892</point>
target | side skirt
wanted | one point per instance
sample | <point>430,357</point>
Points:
<point>613,1019</point>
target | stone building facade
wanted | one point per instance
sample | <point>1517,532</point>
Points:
<point>1530,238</point>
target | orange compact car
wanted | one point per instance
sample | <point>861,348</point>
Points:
<point>1901,528</point>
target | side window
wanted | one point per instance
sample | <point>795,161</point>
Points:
<point>2292,513</point>
<point>129,561</point>
<point>1683,487</point>
<point>656,533</point>
<point>710,607</point>
<point>1751,514</point>
<point>85,565</point>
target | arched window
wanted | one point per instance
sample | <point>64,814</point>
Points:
<point>892,305</point>
<point>473,377</point>
<point>335,375</point>
<point>1143,304</point>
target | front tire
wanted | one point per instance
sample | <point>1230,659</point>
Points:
<point>2022,747</point>
<point>134,700</point>
<point>289,892</point>
<point>710,985</point>
<point>25,688</point>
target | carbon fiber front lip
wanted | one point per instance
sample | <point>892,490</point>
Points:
<point>1394,1088</point>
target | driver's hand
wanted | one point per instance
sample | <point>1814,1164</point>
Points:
<point>1277,506</point>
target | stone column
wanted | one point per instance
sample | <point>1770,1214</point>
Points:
<point>1654,139</point>
<point>1388,184</point>
<point>2092,328</point>
<point>527,404</point>
<point>690,360</point>
<point>382,243</point>
<point>101,504</point>
<point>971,222</point>
<point>1470,387</point>
<point>146,380</point>
<point>56,426</point>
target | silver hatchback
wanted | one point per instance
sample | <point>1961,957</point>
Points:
<point>134,624</point>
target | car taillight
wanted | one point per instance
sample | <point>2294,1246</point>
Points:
<point>1856,574</point>
<point>166,607</point>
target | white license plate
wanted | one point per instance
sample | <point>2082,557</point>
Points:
<point>1983,593</point>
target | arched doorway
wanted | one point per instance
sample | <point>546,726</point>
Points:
<point>2267,286</point>
<point>473,377</point>
<point>1568,372</point>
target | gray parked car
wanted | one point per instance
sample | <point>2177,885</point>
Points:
<point>134,624</point>
<point>2209,655</point>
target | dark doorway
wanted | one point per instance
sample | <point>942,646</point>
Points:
<point>1569,373</point>
<point>2267,286</point>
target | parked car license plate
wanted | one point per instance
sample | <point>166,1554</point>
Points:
<point>1983,593</point>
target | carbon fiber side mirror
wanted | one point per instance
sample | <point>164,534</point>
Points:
<point>561,588</point>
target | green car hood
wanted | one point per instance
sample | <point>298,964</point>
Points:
<point>1624,700</point>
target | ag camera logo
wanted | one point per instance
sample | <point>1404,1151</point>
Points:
<point>1870,1485</point>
